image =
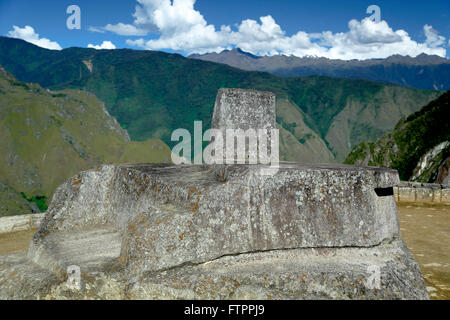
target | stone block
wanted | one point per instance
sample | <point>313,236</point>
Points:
<point>244,109</point>
<point>407,194</point>
<point>15,224</point>
<point>445,196</point>
<point>424,195</point>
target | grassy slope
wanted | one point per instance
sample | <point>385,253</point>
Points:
<point>49,136</point>
<point>412,137</point>
<point>11,202</point>
<point>152,93</point>
<point>297,140</point>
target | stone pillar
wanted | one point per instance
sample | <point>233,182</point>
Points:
<point>245,110</point>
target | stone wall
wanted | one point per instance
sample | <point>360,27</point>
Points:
<point>422,193</point>
<point>20,223</point>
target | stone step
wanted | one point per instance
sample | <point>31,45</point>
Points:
<point>90,249</point>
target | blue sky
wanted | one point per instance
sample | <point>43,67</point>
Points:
<point>300,28</point>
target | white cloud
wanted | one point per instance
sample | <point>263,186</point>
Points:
<point>96,29</point>
<point>28,34</point>
<point>367,39</point>
<point>170,18</point>
<point>183,28</point>
<point>267,38</point>
<point>121,29</point>
<point>125,29</point>
<point>104,45</point>
<point>180,25</point>
<point>434,40</point>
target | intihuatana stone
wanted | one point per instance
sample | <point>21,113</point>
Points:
<point>172,215</point>
<point>185,232</point>
<point>251,116</point>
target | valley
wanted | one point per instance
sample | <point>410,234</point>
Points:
<point>49,136</point>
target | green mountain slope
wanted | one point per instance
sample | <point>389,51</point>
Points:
<point>297,140</point>
<point>12,203</point>
<point>47,137</point>
<point>153,93</point>
<point>412,138</point>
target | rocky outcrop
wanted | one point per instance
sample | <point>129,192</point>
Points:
<point>443,172</point>
<point>433,166</point>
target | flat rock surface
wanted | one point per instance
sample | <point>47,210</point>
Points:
<point>90,249</point>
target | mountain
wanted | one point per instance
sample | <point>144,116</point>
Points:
<point>12,203</point>
<point>418,147</point>
<point>152,93</point>
<point>49,136</point>
<point>422,72</point>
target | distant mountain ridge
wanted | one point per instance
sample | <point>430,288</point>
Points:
<point>422,72</point>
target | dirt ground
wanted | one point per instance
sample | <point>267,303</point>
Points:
<point>426,231</point>
<point>15,242</point>
<point>424,228</point>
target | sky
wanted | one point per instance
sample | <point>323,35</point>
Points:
<point>333,29</point>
